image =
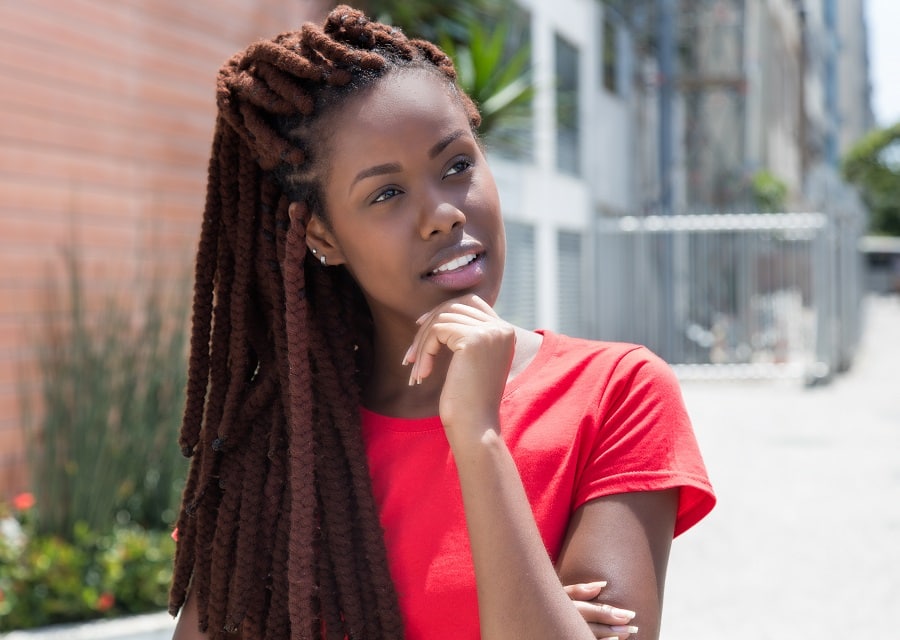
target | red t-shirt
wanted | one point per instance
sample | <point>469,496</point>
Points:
<point>585,419</point>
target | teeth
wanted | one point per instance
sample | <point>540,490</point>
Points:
<point>455,264</point>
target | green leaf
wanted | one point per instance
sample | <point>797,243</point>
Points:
<point>872,167</point>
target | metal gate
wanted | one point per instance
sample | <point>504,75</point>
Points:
<point>733,295</point>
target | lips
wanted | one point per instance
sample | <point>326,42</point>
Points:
<point>458,268</point>
<point>455,263</point>
<point>453,257</point>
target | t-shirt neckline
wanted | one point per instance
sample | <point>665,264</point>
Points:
<point>377,421</point>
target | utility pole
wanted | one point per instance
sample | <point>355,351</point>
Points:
<point>666,61</point>
<point>832,104</point>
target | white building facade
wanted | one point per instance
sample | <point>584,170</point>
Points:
<point>582,164</point>
<point>765,84</point>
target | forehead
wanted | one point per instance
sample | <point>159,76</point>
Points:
<point>402,108</point>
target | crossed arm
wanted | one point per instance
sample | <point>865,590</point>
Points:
<point>623,539</point>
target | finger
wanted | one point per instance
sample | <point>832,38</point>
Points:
<point>603,613</point>
<point>602,632</point>
<point>453,312</point>
<point>484,306</point>
<point>621,632</point>
<point>447,330</point>
<point>436,329</point>
<point>607,632</point>
<point>472,301</point>
<point>584,590</point>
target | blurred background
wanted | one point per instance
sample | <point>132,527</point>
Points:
<point>716,179</point>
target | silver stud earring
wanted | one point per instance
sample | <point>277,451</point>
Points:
<point>322,260</point>
<point>313,249</point>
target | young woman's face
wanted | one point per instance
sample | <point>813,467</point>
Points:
<point>413,209</point>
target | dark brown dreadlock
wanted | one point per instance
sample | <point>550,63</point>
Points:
<point>278,531</point>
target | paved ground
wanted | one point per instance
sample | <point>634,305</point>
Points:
<point>805,541</point>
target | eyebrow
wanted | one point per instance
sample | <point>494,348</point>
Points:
<point>444,142</point>
<point>377,170</point>
<point>394,167</point>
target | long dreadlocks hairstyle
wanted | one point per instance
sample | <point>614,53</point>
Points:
<point>278,534</point>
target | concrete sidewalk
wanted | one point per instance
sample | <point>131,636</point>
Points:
<point>152,626</point>
<point>805,540</point>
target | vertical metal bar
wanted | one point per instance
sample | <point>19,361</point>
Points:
<point>666,60</point>
<point>832,104</point>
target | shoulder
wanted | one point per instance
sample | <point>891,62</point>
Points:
<point>601,361</point>
<point>592,382</point>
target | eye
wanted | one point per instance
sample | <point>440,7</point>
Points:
<point>386,194</point>
<point>459,166</point>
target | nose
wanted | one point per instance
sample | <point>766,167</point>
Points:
<point>440,216</point>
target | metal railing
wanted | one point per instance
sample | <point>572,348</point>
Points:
<point>733,295</point>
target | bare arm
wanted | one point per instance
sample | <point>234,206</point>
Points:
<point>625,540</point>
<point>520,595</point>
<point>188,625</point>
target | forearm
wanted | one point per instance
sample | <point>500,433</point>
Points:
<point>519,593</point>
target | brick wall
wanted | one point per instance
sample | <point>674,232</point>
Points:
<point>106,116</point>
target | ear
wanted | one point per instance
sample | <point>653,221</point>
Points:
<point>319,235</point>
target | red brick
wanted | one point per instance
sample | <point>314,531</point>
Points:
<point>105,125</point>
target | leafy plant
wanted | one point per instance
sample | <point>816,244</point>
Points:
<point>430,19</point>
<point>873,165</point>
<point>488,41</point>
<point>500,84</point>
<point>769,192</point>
<point>103,436</point>
<point>46,579</point>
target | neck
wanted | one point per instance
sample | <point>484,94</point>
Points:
<point>387,389</point>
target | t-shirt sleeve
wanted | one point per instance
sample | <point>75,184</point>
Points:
<point>641,439</point>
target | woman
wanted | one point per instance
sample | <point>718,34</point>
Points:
<point>377,454</point>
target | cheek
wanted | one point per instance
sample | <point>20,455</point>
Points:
<point>485,200</point>
<point>372,257</point>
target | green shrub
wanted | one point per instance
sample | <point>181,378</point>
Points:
<point>769,192</point>
<point>103,438</point>
<point>873,165</point>
<point>47,579</point>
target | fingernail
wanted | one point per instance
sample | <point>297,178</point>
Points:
<point>624,629</point>
<point>610,638</point>
<point>623,614</point>
<point>407,355</point>
<point>594,585</point>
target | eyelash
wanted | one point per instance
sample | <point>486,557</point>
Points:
<point>384,196</point>
<point>465,161</point>
<point>380,197</point>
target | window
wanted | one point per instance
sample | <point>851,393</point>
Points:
<point>512,134</point>
<point>517,297</point>
<point>610,51</point>
<point>570,284</point>
<point>568,148</point>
